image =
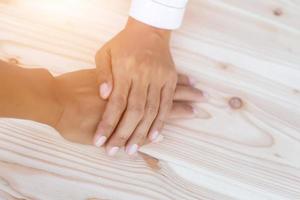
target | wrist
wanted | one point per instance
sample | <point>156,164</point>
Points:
<point>141,28</point>
<point>81,106</point>
<point>44,105</point>
<point>28,94</point>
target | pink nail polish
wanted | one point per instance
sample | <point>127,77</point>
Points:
<point>99,138</point>
<point>105,90</point>
<point>113,151</point>
<point>160,138</point>
<point>99,141</point>
<point>154,136</point>
<point>205,95</point>
<point>195,110</point>
<point>132,149</point>
<point>192,81</point>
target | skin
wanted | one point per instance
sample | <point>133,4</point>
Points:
<point>70,103</point>
<point>137,74</point>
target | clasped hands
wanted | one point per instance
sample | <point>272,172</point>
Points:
<point>82,108</point>
<point>133,91</point>
<point>70,103</point>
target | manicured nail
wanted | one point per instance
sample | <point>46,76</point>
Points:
<point>113,151</point>
<point>201,113</point>
<point>105,90</point>
<point>100,141</point>
<point>195,110</point>
<point>192,81</point>
<point>205,95</point>
<point>154,135</point>
<point>132,149</point>
<point>160,138</point>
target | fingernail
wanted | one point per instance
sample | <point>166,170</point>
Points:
<point>205,95</point>
<point>154,135</point>
<point>105,90</point>
<point>100,141</point>
<point>160,138</point>
<point>192,81</point>
<point>132,149</point>
<point>195,111</point>
<point>201,113</point>
<point>113,151</point>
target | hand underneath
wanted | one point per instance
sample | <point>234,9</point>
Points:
<point>78,93</point>
<point>137,73</point>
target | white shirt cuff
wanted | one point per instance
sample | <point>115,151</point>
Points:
<point>164,14</point>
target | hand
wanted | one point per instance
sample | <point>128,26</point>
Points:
<point>78,93</point>
<point>69,103</point>
<point>136,70</point>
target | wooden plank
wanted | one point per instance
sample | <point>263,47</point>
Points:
<point>284,13</point>
<point>36,163</point>
<point>236,50</point>
<point>232,38</point>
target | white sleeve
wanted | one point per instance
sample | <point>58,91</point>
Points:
<point>165,14</point>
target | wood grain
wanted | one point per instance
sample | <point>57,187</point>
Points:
<point>37,164</point>
<point>241,52</point>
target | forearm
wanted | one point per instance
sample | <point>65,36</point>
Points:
<point>28,94</point>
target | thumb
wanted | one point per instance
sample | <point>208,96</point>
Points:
<point>104,73</point>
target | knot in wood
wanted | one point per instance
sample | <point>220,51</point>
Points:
<point>277,12</point>
<point>235,103</point>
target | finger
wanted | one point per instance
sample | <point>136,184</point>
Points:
<point>131,118</point>
<point>188,93</point>
<point>183,79</point>
<point>113,112</point>
<point>140,133</point>
<point>104,72</point>
<point>178,111</point>
<point>186,80</point>
<point>181,110</point>
<point>166,101</point>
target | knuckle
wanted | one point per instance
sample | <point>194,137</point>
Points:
<point>152,109</point>
<point>130,61</point>
<point>109,127</point>
<point>140,136</point>
<point>141,139</point>
<point>122,138</point>
<point>136,110</point>
<point>159,121</point>
<point>119,102</point>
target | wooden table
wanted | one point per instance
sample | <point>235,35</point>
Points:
<point>244,51</point>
